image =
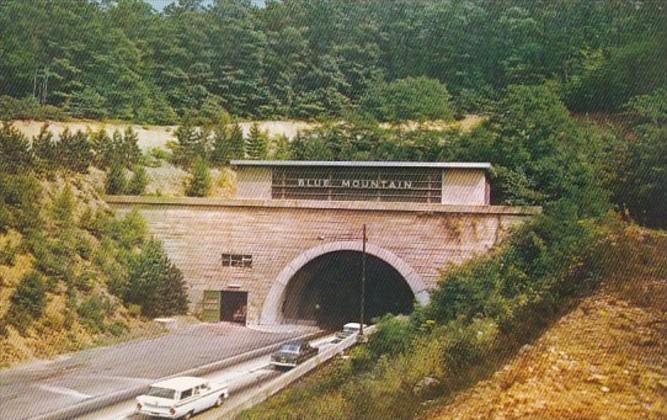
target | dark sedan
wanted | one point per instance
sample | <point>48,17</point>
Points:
<point>293,353</point>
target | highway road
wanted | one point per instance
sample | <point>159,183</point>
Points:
<point>241,379</point>
<point>39,389</point>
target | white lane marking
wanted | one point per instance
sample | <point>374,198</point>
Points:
<point>64,391</point>
<point>119,378</point>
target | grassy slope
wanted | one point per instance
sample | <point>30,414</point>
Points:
<point>61,328</point>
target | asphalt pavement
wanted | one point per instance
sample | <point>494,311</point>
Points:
<point>242,379</point>
<point>38,389</point>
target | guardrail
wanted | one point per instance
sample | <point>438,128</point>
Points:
<point>277,384</point>
<point>95,403</point>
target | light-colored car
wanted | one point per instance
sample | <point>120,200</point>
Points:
<point>348,330</point>
<point>181,397</point>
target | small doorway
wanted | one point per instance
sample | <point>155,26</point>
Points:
<point>234,306</point>
<point>211,306</point>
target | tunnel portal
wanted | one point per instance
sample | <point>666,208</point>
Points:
<point>327,290</point>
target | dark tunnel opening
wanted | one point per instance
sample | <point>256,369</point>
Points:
<point>327,291</point>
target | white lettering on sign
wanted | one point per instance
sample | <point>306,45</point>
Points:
<point>354,183</point>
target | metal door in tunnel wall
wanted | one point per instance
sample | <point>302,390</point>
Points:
<point>211,306</point>
<point>234,306</point>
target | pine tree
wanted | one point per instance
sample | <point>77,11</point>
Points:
<point>63,207</point>
<point>115,150</point>
<point>256,143</point>
<point>298,147</point>
<point>173,299</point>
<point>200,181</point>
<point>185,137</point>
<point>116,182</point>
<point>15,153</point>
<point>44,149</point>
<point>74,151</point>
<point>156,284</point>
<point>221,146</point>
<point>130,147</point>
<point>102,146</point>
<point>138,182</point>
<point>281,148</point>
<point>87,103</point>
<point>28,301</point>
<point>192,144</point>
<point>236,143</point>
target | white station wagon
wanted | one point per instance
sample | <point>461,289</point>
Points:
<point>181,397</point>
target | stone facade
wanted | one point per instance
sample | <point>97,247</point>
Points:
<point>418,240</point>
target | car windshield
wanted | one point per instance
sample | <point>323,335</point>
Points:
<point>290,348</point>
<point>350,330</point>
<point>155,391</point>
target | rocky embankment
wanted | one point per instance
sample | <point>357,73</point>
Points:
<point>605,359</point>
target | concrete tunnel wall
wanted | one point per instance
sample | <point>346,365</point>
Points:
<point>418,240</point>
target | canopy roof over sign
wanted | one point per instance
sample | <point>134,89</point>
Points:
<point>364,164</point>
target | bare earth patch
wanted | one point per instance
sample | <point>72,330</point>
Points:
<point>607,359</point>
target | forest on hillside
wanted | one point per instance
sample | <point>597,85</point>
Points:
<point>403,59</point>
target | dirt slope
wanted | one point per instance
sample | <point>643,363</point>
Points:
<point>607,359</point>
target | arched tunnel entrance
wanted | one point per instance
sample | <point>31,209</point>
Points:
<point>327,290</point>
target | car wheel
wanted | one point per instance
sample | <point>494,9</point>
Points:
<point>220,401</point>
<point>187,416</point>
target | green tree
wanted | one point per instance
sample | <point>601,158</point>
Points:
<point>238,47</point>
<point>131,153</point>
<point>28,301</point>
<point>221,151</point>
<point>610,80</point>
<point>155,283</point>
<point>642,187</point>
<point>74,151</point>
<point>192,144</point>
<point>45,149</point>
<point>281,148</point>
<point>200,180</point>
<point>104,148</point>
<point>138,182</point>
<point>408,99</point>
<point>87,103</point>
<point>15,153</point>
<point>236,143</point>
<point>541,154</point>
<point>20,198</point>
<point>173,292</point>
<point>64,207</point>
<point>116,183</point>
<point>256,145</point>
<point>119,149</point>
<point>91,312</point>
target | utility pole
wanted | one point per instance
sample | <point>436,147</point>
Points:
<point>363,282</point>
